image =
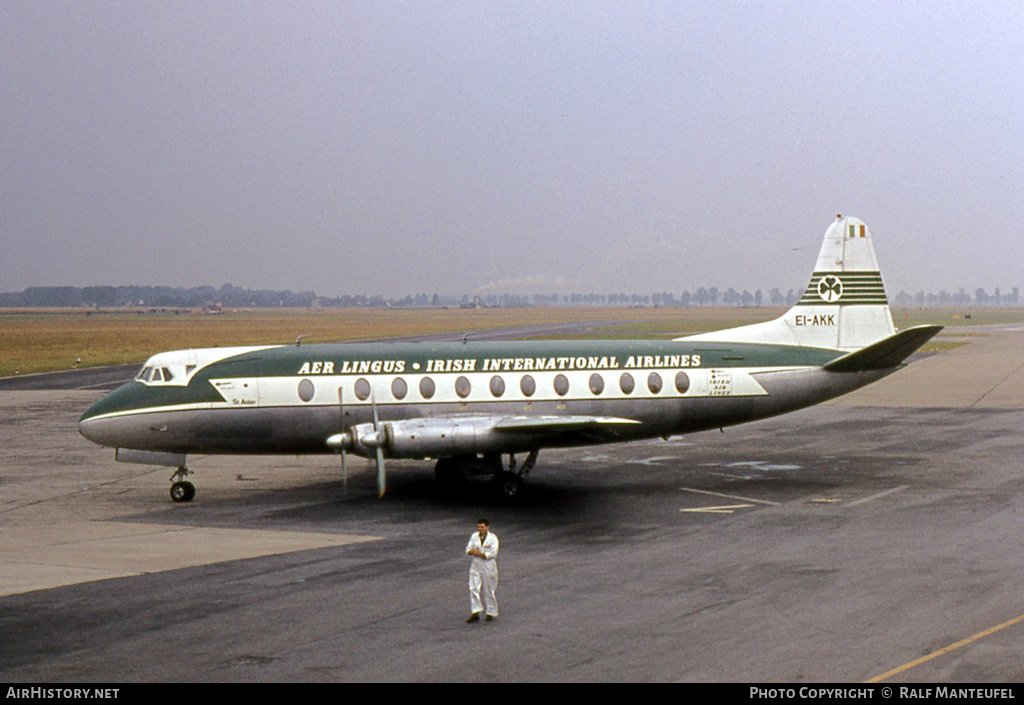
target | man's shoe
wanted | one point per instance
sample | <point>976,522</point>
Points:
<point>475,617</point>
<point>489,618</point>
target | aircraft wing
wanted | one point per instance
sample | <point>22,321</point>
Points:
<point>466,434</point>
<point>886,353</point>
<point>560,424</point>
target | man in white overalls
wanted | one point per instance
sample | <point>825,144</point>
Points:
<point>483,572</point>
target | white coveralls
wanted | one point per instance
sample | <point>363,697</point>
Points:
<point>483,574</point>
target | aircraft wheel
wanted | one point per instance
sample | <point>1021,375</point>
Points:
<point>508,485</point>
<point>183,491</point>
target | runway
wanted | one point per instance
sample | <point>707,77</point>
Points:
<point>843,543</point>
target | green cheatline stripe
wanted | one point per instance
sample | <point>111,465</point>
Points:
<point>858,288</point>
<point>878,301</point>
<point>877,276</point>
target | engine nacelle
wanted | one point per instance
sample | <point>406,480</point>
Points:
<point>432,438</point>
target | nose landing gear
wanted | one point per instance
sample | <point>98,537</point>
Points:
<point>181,489</point>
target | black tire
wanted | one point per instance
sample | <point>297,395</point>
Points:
<point>508,485</point>
<point>183,491</point>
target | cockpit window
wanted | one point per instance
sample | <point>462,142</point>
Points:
<point>154,375</point>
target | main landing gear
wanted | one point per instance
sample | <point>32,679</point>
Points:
<point>506,482</point>
<point>181,489</point>
<point>509,483</point>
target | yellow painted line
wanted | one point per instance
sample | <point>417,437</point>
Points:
<point>730,496</point>
<point>946,650</point>
<point>729,509</point>
<point>873,497</point>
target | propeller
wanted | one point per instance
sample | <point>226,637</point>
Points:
<point>356,438</point>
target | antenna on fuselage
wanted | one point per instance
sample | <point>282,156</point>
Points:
<point>298,341</point>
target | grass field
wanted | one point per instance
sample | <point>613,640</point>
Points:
<point>44,340</point>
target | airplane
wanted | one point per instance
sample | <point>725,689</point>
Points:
<point>468,404</point>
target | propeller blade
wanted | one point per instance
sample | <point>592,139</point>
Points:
<point>381,473</point>
<point>341,427</point>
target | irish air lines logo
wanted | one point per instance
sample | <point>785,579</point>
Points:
<point>854,289</point>
<point>830,288</point>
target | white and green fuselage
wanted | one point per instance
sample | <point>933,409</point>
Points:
<point>292,399</point>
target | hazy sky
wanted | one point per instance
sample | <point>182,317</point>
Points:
<point>369,146</point>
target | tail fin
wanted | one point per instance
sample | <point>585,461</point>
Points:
<point>844,306</point>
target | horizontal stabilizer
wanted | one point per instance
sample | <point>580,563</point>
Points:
<point>559,424</point>
<point>886,353</point>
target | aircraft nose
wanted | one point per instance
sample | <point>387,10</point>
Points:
<point>126,430</point>
<point>102,432</point>
<point>101,422</point>
<point>85,427</point>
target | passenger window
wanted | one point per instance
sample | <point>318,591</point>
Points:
<point>399,388</point>
<point>527,385</point>
<point>306,390</point>
<point>626,383</point>
<point>561,385</point>
<point>596,383</point>
<point>427,388</point>
<point>654,382</point>
<point>362,389</point>
<point>462,387</point>
<point>682,382</point>
<point>497,386</point>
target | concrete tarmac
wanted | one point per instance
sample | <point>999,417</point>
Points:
<point>856,540</point>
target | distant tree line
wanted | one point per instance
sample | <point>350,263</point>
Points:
<point>959,298</point>
<point>154,296</point>
<point>229,296</point>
